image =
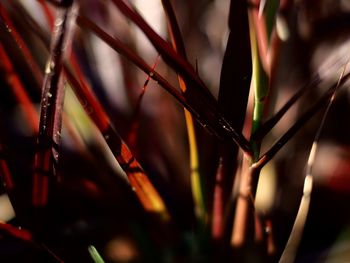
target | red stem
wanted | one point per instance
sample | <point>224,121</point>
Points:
<point>22,45</point>
<point>19,91</point>
<point>136,175</point>
<point>50,115</point>
<point>208,115</point>
<point>5,173</point>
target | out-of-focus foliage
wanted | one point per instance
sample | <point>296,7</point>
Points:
<point>95,205</point>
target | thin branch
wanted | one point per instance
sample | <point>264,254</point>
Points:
<point>51,253</point>
<point>118,46</point>
<point>290,250</point>
<point>175,33</point>
<point>137,109</point>
<point>269,124</point>
<point>167,52</point>
<point>265,158</point>
<point>143,91</point>
<point>209,117</point>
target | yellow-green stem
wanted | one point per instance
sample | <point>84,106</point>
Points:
<point>259,82</point>
<point>197,192</point>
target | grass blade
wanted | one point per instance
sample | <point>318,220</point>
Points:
<point>22,45</point>
<point>19,91</point>
<point>96,257</point>
<point>234,89</point>
<point>148,195</point>
<point>199,94</point>
<point>290,250</point>
<point>144,189</point>
<point>51,109</point>
<point>207,115</point>
<point>165,50</point>
<point>269,154</point>
<point>266,127</point>
<point>178,44</point>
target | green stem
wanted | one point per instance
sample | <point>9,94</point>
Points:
<point>96,257</point>
<point>260,85</point>
<point>179,47</point>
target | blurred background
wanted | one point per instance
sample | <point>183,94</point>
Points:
<point>93,205</point>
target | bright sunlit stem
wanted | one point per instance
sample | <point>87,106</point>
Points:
<point>194,166</point>
<point>147,194</point>
<point>96,257</point>
<point>197,192</point>
<point>291,248</point>
<point>289,253</point>
<point>179,47</point>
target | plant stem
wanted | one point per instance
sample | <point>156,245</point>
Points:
<point>207,115</point>
<point>20,93</point>
<point>266,157</point>
<point>15,232</point>
<point>147,194</point>
<point>259,82</point>
<point>22,46</point>
<point>51,109</point>
<point>5,173</point>
<point>290,250</point>
<point>96,257</point>
<point>245,204</point>
<point>169,55</point>
<point>178,44</point>
<point>257,21</point>
<point>266,127</point>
